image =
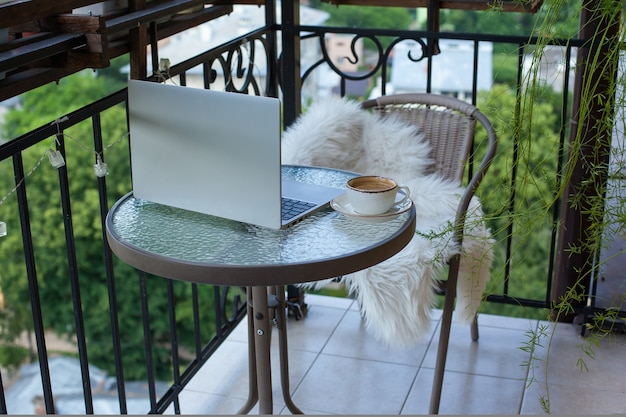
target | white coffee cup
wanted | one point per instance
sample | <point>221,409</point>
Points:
<point>372,195</point>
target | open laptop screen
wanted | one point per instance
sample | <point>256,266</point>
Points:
<point>208,151</point>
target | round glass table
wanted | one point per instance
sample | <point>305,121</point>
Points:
<point>188,246</point>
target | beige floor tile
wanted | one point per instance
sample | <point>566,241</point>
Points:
<point>240,333</point>
<point>466,394</point>
<point>192,402</point>
<point>309,334</point>
<point>226,373</point>
<point>516,323</point>
<point>496,353</point>
<point>560,329</point>
<point>575,361</point>
<point>325,301</point>
<point>312,332</point>
<point>341,385</point>
<point>578,400</point>
<point>337,367</point>
<point>352,339</point>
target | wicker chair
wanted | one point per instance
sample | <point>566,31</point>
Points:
<point>449,125</point>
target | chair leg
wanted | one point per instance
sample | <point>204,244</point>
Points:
<point>442,351</point>
<point>444,338</point>
<point>474,329</point>
<point>444,334</point>
<point>442,347</point>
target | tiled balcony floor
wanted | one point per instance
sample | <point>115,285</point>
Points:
<point>337,367</point>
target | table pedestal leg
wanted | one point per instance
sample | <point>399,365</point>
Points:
<point>281,324</point>
<point>259,341</point>
<point>253,393</point>
<point>262,342</point>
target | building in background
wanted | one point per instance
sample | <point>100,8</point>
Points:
<point>242,20</point>
<point>552,69</point>
<point>452,69</point>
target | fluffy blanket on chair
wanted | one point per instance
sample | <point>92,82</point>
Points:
<point>396,297</point>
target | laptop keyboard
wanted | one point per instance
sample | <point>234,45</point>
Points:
<point>292,208</point>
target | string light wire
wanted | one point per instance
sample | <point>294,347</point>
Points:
<point>57,161</point>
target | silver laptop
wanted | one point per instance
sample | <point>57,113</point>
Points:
<point>214,152</point>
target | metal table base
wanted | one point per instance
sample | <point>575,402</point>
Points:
<point>261,302</point>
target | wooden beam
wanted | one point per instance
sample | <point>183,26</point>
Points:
<point>43,47</point>
<point>18,12</point>
<point>16,84</point>
<point>23,11</point>
<point>75,41</point>
<point>60,43</point>
<point>95,54</point>
<point>73,23</point>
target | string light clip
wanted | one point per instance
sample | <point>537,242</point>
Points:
<point>54,156</point>
<point>101,169</point>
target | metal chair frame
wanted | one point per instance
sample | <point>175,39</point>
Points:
<point>449,125</point>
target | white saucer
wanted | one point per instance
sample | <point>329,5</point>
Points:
<point>343,206</point>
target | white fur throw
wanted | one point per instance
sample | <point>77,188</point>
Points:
<point>396,297</point>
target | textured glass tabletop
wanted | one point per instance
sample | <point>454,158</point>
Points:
<point>189,246</point>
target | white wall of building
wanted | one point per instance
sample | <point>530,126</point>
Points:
<point>452,70</point>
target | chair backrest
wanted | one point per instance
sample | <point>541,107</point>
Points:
<point>447,123</point>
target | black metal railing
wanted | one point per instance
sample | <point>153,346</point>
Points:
<point>228,308</point>
<point>375,62</point>
<point>235,66</point>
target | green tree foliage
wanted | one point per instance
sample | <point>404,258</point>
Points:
<point>39,107</point>
<point>42,185</point>
<point>371,17</point>
<point>491,21</point>
<point>531,153</point>
<point>366,17</point>
<point>594,125</point>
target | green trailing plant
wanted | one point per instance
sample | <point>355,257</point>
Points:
<point>600,94</point>
<point>535,339</point>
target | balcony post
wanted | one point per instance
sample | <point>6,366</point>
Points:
<point>291,82</point>
<point>581,219</point>
<point>272,67</point>
<point>138,39</point>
